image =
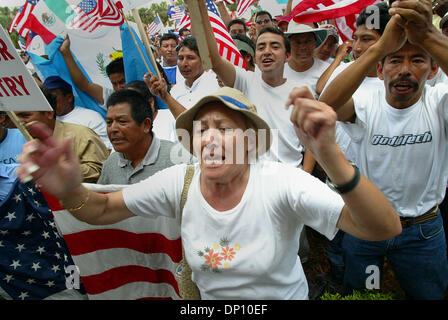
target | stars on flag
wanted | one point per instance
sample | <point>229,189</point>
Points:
<point>32,256</point>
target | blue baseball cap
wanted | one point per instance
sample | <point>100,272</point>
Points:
<point>55,82</point>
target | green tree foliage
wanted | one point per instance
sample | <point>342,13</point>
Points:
<point>147,15</point>
<point>6,16</point>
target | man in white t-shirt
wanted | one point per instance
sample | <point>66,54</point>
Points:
<point>168,53</point>
<point>363,38</point>
<point>267,89</point>
<point>304,67</point>
<point>197,84</point>
<point>66,111</point>
<point>401,131</point>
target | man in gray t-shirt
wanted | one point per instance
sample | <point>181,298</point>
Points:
<point>138,152</point>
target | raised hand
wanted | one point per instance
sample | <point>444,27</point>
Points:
<point>314,122</point>
<point>158,87</point>
<point>393,38</point>
<point>65,46</point>
<point>52,165</point>
<point>415,17</point>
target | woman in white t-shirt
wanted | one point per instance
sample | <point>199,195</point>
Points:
<point>242,217</point>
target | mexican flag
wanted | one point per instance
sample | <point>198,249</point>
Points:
<point>50,19</point>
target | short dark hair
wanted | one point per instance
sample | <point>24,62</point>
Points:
<point>384,16</point>
<point>168,36</point>
<point>50,96</point>
<point>182,30</point>
<point>140,108</point>
<point>190,43</point>
<point>279,32</point>
<point>237,21</point>
<point>262,12</point>
<point>116,66</point>
<point>142,88</point>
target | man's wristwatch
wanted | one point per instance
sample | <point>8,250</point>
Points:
<point>349,186</point>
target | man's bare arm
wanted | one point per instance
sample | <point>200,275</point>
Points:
<point>93,89</point>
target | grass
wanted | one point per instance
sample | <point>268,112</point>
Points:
<point>318,264</point>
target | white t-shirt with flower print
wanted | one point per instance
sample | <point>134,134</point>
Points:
<point>250,251</point>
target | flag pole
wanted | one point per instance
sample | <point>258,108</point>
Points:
<point>195,8</point>
<point>145,40</point>
<point>136,44</point>
<point>19,125</point>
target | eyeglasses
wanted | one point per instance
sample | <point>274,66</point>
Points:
<point>267,20</point>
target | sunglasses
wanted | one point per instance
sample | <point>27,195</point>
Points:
<point>263,21</point>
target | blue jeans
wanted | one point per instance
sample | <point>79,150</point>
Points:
<point>418,257</point>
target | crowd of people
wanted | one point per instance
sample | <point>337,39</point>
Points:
<point>347,138</point>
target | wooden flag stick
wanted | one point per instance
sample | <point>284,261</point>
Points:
<point>145,40</point>
<point>195,8</point>
<point>136,44</point>
<point>19,125</point>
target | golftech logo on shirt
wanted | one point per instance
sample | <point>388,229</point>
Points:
<point>402,140</point>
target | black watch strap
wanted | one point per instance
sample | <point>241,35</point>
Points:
<point>349,186</point>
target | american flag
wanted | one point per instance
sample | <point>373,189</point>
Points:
<point>176,13</point>
<point>242,6</point>
<point>83,9</point>
<point>92,14</point>
<point>155,26</point>
<point>344,12</point>
<point>226,46</point>
<point>133,259</point>
<point>20,18</point>
<point>315,11</point>
<point>33,256</point>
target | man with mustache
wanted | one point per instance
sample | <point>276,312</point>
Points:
<point>401,133</point>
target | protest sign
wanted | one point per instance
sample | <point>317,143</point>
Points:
<point>18,90</point>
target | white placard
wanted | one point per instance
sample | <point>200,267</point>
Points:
<point>18,90</point>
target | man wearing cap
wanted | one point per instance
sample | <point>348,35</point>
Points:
<point>327,50</point>
<point>66,111</point>
<point>303,67</point>
<point>241,217</point>
<point>247,49</point>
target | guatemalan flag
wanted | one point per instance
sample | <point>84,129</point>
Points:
<point>134,259</point>
<point>55,66</point>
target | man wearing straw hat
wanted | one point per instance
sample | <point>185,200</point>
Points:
<point>242,217</point>
<point>303,66</point>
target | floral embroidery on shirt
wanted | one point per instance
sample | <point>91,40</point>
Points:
<point>219,256</point>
